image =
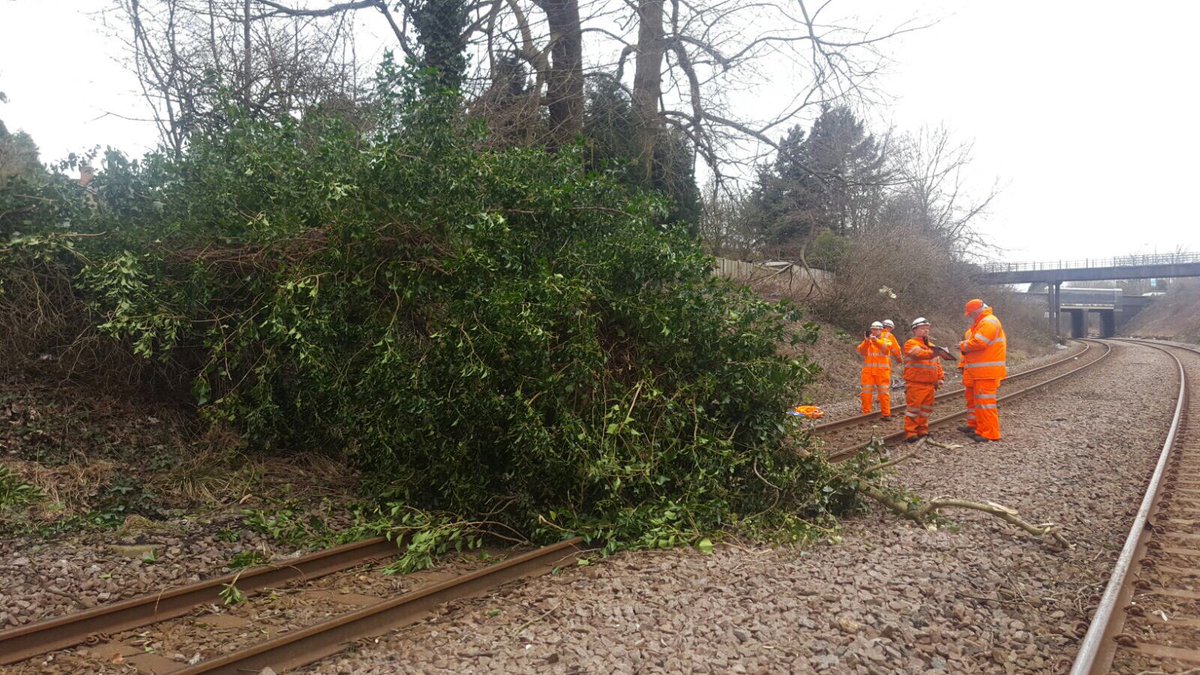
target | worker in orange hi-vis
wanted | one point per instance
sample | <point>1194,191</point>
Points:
<point>968,392</point>
<point>876,371</point>
<point>923,376</point>
<point>984,351</point>
<point>893,342</point>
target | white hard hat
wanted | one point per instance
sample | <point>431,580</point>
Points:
<point>887,323</point>
<point>876,324</point>
<point>920,321</point>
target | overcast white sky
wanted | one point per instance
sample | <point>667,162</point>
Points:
<point>1081,110</point>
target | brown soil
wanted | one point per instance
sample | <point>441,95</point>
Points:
<point>132,499</point>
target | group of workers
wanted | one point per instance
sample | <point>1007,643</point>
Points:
<point>983,353</point>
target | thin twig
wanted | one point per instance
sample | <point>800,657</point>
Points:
<point>534,620</point>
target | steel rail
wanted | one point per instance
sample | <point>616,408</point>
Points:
<point>24,642</point>
<point>950,393</point>
<point>304,646</point>
<point>899,435</point>
<point>1092,656</point>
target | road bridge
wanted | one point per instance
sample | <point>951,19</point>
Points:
<point>1053,274</point>
<point>1109,307</point>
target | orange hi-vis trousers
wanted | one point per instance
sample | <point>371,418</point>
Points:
<point>987,414</point>
<point>877,382</point>
<point>969,393</point>
<point>918,397</point>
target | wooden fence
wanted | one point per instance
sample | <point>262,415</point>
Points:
<point>797,280</point>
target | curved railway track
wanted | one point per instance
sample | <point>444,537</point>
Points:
<point>853,434</point>
<point>1148,619</point>
<point>114,632</point>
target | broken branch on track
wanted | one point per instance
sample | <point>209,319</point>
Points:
<point>921,511</point>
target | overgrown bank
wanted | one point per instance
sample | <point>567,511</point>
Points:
<point>1173,316</point>
<point>495,334</point>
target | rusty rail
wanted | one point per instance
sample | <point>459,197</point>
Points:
<point>307,645</point>
<point>21,643</point>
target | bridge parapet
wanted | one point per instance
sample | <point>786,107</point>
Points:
<point>1092,263</point>
<point>1152,266</point>
<point>1124,267</point>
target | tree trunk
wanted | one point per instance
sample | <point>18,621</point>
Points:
<point>647,84</point>
<point>564,86</point>
<point>246,47</point>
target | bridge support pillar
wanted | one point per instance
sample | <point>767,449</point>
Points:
<point>1108,323</point>
<point>1079,322</point>
<point>1054,293</point>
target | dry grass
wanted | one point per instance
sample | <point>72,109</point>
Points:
<point>221,477</point>
<point>209,479</point>
<point>66,488</point>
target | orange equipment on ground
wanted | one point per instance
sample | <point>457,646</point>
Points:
<point>812,412</point>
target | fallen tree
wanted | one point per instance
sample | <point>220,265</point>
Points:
<point>496,334</point>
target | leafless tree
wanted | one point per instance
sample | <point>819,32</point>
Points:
<point>724,229</point>
<point>190,55</point>
<point>718,53</point>
<point>930,191</point>
<point>693,60</point>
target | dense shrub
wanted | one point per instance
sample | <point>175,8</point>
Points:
<point>485,332</point>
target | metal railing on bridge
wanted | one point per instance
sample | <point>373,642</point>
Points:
<point>1119,261</point>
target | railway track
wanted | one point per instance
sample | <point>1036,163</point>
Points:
<point>154,633</point>
<point>1148,619</point>
<point>854,434</point>
<point>19,644</point>
<point>117,625</point>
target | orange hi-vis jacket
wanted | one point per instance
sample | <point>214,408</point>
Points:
<point>963,362</point>
<point>921,364</point>
<point>875,355</point>
<point>893,344</point>
<point>984,349</point>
